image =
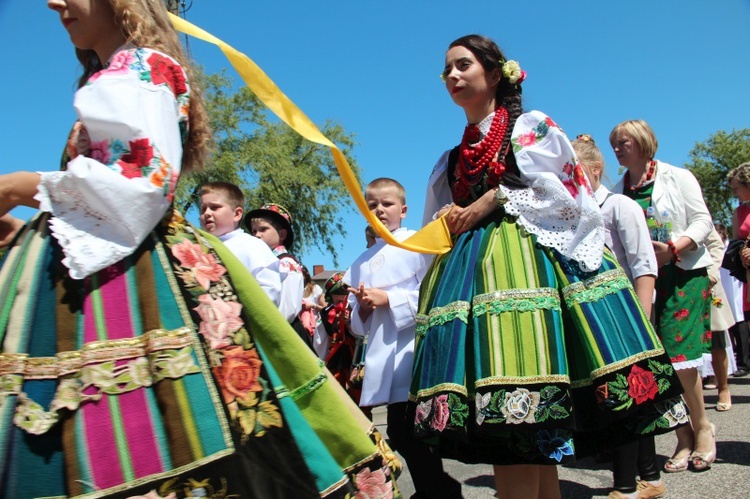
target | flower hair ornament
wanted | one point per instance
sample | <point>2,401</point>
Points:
<point>513,72</point>
<point>584,137</point>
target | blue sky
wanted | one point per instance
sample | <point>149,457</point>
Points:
<point>682,65</point>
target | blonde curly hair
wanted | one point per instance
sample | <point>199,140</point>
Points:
<point>145,23</point>
<point>741,173</point>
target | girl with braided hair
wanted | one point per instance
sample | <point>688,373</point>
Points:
<point>532,348</point>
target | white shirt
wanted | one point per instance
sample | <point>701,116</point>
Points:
<point>677,192</point>
<point>258,258</point>
<point>390,330</point>
<point>626,233</point>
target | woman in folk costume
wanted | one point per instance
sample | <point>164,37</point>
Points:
<point>532,348</point>
<point>683,298</point>
<point>139,357</point>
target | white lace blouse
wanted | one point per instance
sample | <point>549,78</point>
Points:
<point>126,151</point>
<point>557,206</point>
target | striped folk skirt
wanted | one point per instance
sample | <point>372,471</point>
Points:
<point>523,358</point>
<point>169,372</point>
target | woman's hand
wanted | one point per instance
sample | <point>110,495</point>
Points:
<point>663,253</point>
<point>9,227</point>
<point>18,189</point>
<point>745,256</point>
<point>462,219</point>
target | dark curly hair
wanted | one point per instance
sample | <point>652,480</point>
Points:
<point>507,95</point>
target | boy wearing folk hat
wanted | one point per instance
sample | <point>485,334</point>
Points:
<point>272,223</point>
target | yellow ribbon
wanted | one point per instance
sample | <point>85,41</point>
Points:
<point>433,238</point>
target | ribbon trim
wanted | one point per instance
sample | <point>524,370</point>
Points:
<point>433,238</point>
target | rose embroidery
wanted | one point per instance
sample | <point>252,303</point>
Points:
<point>219,319</point>
<point>571,186</point>
<point>163,70</point>
<point>682,314</point>
<point>642,385</point>
<point>520,406</point>
<point>238,373</point>
<point>526,139</point>
<point>100,152</point>
<point>442,412</point>
<point>372,485</point>
<point>204,267</point>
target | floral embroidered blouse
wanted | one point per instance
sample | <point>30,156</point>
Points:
<point>557,206</point>
<point>125,155</point>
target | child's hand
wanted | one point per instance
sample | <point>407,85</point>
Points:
<point>369,298</point>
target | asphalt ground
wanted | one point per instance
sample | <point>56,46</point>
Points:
<point>728,478</point>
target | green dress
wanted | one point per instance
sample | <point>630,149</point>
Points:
<point>683,303</point>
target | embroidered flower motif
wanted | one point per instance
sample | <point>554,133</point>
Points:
<point>572,187</point>
<point>393,463</point>
<point>138,157</point>
<point>676,414</point>
<point>682,314</point>
<point>219,319</point>
<point>164,70</point>
<point>140,371</point>
<point>555,444</point>
<point>526,139</point>
<point>238,373</point>
<point>100,152</point>
<point>568,168</point>
<point>204,267</point>
<point>68,395</point>
<point>118,65</point>
<point>520,406</point>
<point>423,411</point>
<point>372,485</point>
<point>441,412</point>
<point>642,385</point>
<point>678,358</point>
<point>602,393</point>
<point>482,401</point>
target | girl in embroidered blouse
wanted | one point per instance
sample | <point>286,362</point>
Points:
<point>131,341</point>
<point>628,238</point>
<point>683,298</point>
<point>512,367</point>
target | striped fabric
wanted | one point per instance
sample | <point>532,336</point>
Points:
<point>113,386</point>
<point>517,347</point>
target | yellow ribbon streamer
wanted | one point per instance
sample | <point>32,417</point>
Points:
<point>433,238</point>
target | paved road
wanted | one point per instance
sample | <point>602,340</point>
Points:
<point>729,478</point>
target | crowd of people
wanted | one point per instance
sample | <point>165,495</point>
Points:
<point>143,356</point>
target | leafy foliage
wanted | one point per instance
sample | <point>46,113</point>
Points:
<point>711,161</point>
<point>271,163</point>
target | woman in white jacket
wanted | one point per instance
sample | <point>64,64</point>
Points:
<point>683,297</point>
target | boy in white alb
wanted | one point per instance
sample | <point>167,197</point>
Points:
<point>384,300</point>
<point>221,209</point>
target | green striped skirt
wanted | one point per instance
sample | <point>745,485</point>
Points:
<point>522,358</point>
<point>170,371</point>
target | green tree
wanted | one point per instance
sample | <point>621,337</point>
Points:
<point>273,164</point>
<point>711,161</point>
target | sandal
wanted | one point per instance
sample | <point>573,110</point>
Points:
<point>723,406</point>
<point>676,465</point>
<point>703,461</point>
